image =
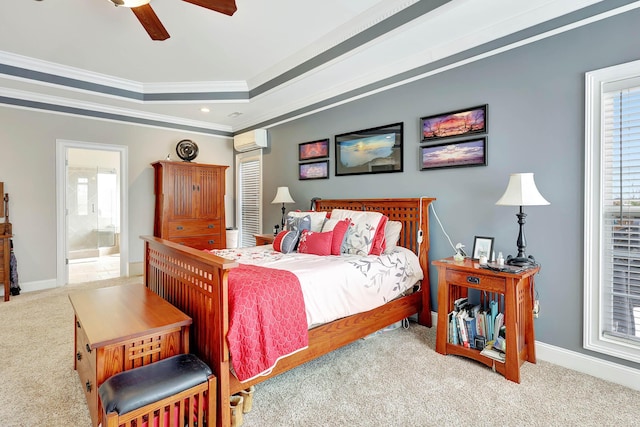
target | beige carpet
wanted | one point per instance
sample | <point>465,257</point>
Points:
<point>391,379</point>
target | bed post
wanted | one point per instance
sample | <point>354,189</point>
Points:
<point>424,316</point>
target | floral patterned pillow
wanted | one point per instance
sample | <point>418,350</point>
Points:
<point>298,223</point>
<point>316,243</point>
<point>362,231</point>
<point>317,218</point>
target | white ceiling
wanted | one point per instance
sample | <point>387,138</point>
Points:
<point>271,61</point>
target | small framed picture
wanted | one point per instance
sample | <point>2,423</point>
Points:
<point>482,246</point>
<point>313,150</point>
<point>314,170</point>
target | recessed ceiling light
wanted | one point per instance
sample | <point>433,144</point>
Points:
<point>204,109</point>
<point>235,114</point>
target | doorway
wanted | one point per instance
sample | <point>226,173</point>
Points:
<point>92,187</point>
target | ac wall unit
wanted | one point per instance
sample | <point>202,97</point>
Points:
<point>251,140</point>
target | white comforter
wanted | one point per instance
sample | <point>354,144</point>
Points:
<point>337,286</point>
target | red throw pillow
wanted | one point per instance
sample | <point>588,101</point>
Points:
<point>379,244</point>
<point>339,233</point>
<point>316,243</point>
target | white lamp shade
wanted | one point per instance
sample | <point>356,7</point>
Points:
<point>522,191</point>
<point>283,196</point>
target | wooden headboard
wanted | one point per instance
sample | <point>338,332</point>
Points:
<point>413,213</point>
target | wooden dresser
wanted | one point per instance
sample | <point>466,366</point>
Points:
<point>190,204</point>
<point>5,257</point>
<point>120,328</point>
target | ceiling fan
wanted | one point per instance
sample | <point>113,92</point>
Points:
<point>151,23</point>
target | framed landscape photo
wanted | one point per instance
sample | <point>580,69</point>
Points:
<point>313,149</point>
<point>482,246</point>
<point>313,170</point>
<point>374,150</point>
<point>454,124</point>
<point>471,152</point>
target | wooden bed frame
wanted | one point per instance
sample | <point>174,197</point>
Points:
<point>196,282</point>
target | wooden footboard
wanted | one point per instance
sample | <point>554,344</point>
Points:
<point>197,283</point>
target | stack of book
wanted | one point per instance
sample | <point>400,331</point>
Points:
<point>472,326</point>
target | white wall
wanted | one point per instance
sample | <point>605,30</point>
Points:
<point>27,167</point>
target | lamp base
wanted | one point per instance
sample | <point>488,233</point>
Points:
<point>529,261</point>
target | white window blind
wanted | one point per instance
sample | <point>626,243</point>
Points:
<point>612,211</point>
<point>620,285</point>
<point>249,188</point>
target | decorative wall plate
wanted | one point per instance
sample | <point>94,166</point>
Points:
<point>187,150</point>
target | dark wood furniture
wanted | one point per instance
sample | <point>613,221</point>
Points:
<point>264,239</point>
<point>120,328</point>
<point>190,204</point>
<point>197,283</point>
<point>454,281</point>
<point>5,259</point>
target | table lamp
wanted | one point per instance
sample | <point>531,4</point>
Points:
<point>283,196</point>
<point>521,191</point>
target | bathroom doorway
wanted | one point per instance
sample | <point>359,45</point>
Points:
<point>92,216</point>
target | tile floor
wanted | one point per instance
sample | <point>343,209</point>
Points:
<point>89,269</point>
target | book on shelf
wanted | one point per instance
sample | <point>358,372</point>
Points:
<point>498,324</point>
<point>492,353</point>
<point>460,303</point>
<point>480,323</point>
<point>453,328</point>
<point>470,323</point>
<point>462,328</point>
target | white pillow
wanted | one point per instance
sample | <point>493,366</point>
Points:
<point>317,218</point>
<point>362,230</point>
<point>392,235</point>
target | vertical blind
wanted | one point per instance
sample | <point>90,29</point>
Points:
<point>249,189</point>
<point>620,280</point>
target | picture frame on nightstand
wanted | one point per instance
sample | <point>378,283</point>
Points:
<point>482,246</point>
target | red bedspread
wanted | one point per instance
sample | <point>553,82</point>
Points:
<point>267,319</point>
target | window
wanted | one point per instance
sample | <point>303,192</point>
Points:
<point>249,196</point>
<point>612,212</point>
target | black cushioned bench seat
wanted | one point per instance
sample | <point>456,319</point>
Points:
<point>135,388</point>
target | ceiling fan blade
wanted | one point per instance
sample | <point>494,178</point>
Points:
<point>150,22</point>
<point>228,7</point>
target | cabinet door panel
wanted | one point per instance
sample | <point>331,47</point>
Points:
<point>181,198</point>
<point>209,193</point>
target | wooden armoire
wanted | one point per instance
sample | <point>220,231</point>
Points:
<point>190,204</point>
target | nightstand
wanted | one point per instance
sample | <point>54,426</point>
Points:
<point>513,291</point>
<point>264,239</point>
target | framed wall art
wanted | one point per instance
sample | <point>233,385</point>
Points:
<point>454,124</point>
<point>471,152</point>
<point>313,150</point>
<point>313,170</point>
<point>374,150</point>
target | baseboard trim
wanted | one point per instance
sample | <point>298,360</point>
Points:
<point>39,285</point>
<point>599,368</point>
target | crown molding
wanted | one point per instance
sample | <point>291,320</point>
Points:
<point>31,100</point>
